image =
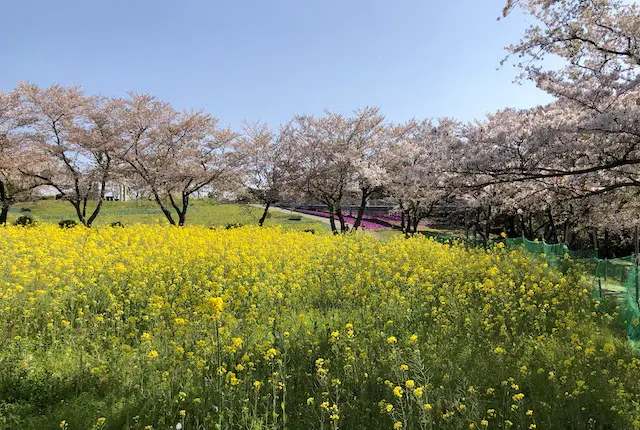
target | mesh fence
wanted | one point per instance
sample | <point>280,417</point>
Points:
<point>630,312</point>
<point>617,277</point>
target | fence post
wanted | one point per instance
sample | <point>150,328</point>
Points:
<point>466,225</point>
<point>600,287</point>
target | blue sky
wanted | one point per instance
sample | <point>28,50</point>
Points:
<point>268,60</point>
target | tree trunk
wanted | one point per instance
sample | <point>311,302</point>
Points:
<point>163,208</point>
<point>264,214</point>
<point>542,226</point>
<point>95,213</point>
<point>552,227</point>
<point>185,206</point>
<point>167,214</point>
<point>182,219</point>
<point>363,204</point>
<point>4,212</point>
<point>343,225</point>
<point>487,225</point>
<point>78,208</point>
<point>409,223</point>
<point>466,224</point>
<point>332,221</point>
<point>416,221</point>
<point>4,198</point>
<point>511,226</point>
<point>636,252</point>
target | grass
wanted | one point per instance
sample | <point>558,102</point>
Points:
<point>201,212</point>
<point>434,233</point>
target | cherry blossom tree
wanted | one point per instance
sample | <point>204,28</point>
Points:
<point>176,154</point>
<point>420,178</point>
<point>598,86</point>
<point>14,153</point>
<point>339,155</point>
<point>371,155</point>
<point>265,160</point>
<point>599,39</point>
<point>325,173</point>
<point>77,136</point>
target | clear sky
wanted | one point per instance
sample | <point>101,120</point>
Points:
<point>270,59</point>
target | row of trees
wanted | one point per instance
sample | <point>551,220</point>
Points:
<point>61,138</point>
<point>549,170</point>
<point>576,159</point>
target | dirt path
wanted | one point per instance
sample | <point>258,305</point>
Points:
<point>287,211</point>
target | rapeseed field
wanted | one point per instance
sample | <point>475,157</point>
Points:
<point>151,327</point>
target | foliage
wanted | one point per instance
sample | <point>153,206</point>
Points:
<point>67,223</point>
<point>232,225</point>
<point>24,221</point>
<point>260,328</point>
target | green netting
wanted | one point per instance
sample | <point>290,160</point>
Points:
<point>611,276</point>
<point>629,311</point>
<point>555,254</point>
<point>617,278</point>
<point>537,247</point>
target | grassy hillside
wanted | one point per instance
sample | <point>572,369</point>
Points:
<point>200,212</point>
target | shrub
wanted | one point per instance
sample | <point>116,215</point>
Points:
<point>233,225</point>
<point>25,210</point>
<point>295,218</point>
<point>117,224</point>
<point>67,223</point>
<point>24,221</point>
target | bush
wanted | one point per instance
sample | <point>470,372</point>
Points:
<point>295,218</point>
<point>25,210</point>
<point>233,225</point>
<point>67,223</point>
<point>25,221</point>
<point>117,224</point>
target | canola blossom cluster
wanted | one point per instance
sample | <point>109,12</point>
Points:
<point>152,327</point>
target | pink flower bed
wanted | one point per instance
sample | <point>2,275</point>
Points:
<point>394,218</point>
<point>371,225</point>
